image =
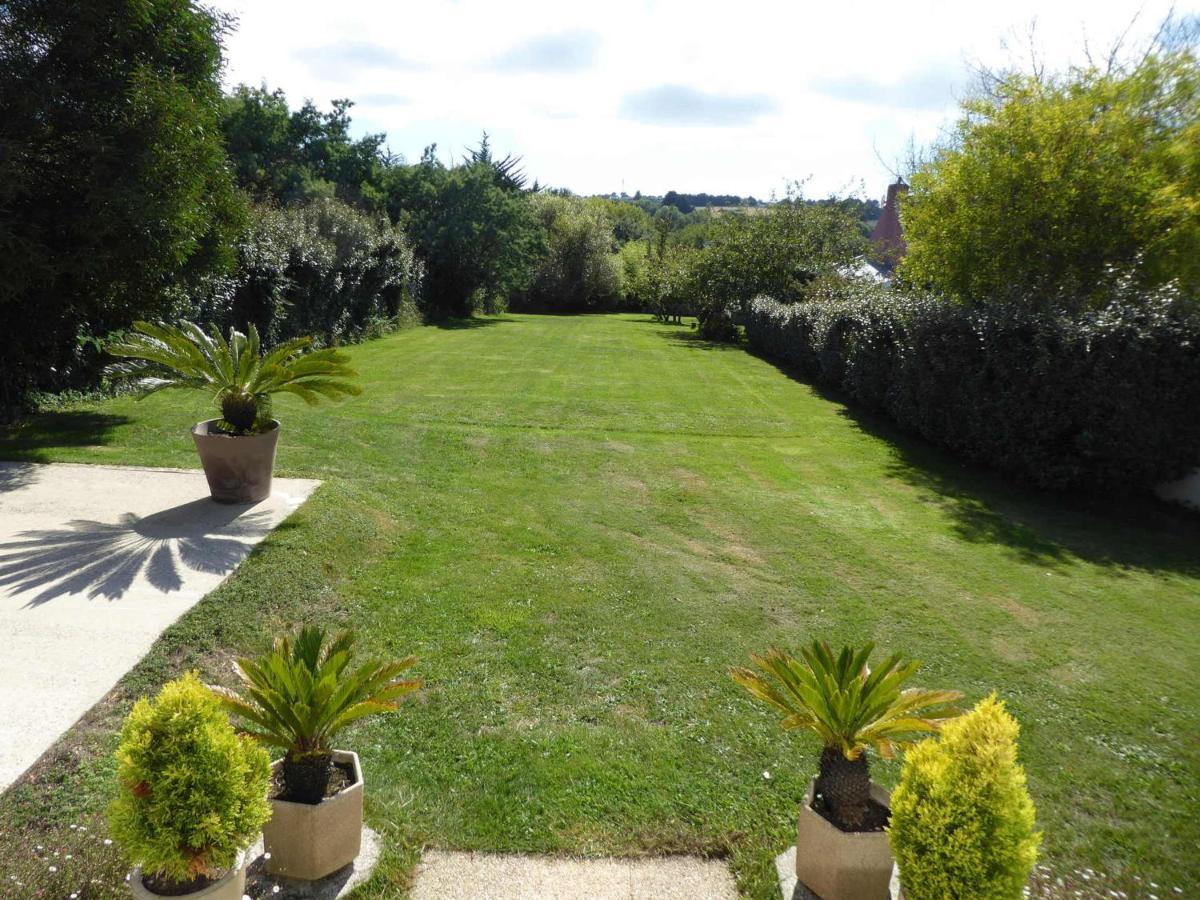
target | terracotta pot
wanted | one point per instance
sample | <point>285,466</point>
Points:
<point>231,886</point>
<point>238,467</point>
<point>308,841</point>
<point>842,865</point>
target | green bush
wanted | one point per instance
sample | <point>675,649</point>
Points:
<point>321,268</point>
<point>1105,398</point>
<point>192,792</point>
<point>1050,184</point>
<point>578,272</point>
<point>962,822</point>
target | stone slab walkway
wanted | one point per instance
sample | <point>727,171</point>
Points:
<point>485,876</point>
<point>95,561</point>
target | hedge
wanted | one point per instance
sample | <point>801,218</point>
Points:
<point>1109,398</point>
<point>321,268</point>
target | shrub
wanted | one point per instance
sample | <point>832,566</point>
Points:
<point>1048,183</point>
<point>962,822</point>
<point>304,692</point>
<point>192,793</point>
<point>578,272</point>
<point>850,708</point>
<point>321,268</point>
<point>1097,399</point>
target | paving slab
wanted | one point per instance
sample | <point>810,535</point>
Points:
<point>790,887</point>
<point>444,875</point>
<point>262,884</point>
<point>95,562</point>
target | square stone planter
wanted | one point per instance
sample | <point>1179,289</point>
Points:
<point>842,865</point>
<point>308,841</point>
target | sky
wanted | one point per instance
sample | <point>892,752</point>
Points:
<point>739,97</point>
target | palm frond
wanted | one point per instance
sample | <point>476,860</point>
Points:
<point>849,706</point>
<point>303,692</point>
<point>234,369</point>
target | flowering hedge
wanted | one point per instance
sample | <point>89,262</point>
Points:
<point>322,268</point>
<point>1108,398</point>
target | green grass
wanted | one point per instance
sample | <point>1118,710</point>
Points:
<point>579,523</point>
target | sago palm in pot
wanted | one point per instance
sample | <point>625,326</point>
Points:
<point>237,449</point>
<point>297,698</point>
<point>852,709</point>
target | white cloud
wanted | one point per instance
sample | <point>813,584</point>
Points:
<point>768,91</point>
<point>678,104</point>
<point>571,51</point>
<point>338,59</point>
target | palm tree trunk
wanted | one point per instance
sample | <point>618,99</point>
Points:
<point>845,786</point>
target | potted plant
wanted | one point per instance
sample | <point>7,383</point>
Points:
<point>962,821</point>
<point>841,848</point>
<point>237,450</point>
<point>297,698</point>
<point>192,796</point>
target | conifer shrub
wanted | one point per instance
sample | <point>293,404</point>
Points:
<point>962,821</point>
<point>192,792</point>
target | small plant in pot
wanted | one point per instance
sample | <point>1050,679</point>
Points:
<point>297,698</point>
<point>842,851</point>
<point>237,450</point>
<point>192,797</point>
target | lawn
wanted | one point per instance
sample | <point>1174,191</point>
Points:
<point>578,524</point>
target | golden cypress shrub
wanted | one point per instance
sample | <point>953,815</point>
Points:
<point>962,822</point>
<point>193,793</point>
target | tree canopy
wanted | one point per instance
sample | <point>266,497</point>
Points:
<point>472,228</point>
<point>115,192</point>
<point>284,155</point>
<point>1053,187</point>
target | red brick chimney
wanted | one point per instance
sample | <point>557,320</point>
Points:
<point>887,238</point>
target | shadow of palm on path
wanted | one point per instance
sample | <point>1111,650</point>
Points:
<point>103,559</point>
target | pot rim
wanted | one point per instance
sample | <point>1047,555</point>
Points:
<point>238,864</point>
<point>342,756</point>
<point>202,429</point>
<point>879,794</point>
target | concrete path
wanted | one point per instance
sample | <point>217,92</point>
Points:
<point>484,876</point>
<point>95,561</point>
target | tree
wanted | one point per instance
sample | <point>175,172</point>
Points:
<point>115,193</point>
<point>678,202</point>
<point>777,252</point>
<point>1052,187</point>
<point>578,272</point>
<point>287,156</point>
<point>629,222</point>
<point>476,237</point>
